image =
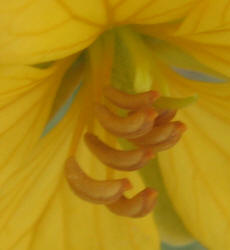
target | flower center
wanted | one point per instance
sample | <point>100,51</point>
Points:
<point>129,110</point>
<point>149,131</point>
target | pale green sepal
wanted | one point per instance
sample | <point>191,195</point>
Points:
<point>175,103</point>
<point>170,227</point>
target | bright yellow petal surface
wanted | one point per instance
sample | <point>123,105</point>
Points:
<point>196,171</point>
<point>45,30</point>
<point>29,190</point>
<point>34,31</point>
<point>205,33</point>
<point>26,96</point>
<point>150,11</point>
<point>41,212</point>
<point>200,19</point>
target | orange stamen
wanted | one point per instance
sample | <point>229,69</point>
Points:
<point>134,125</point>
<point>171,141</point>
<point>159,134</point>
<point>143,126</point>
<point>127,101</point>
<point>101,192</point>
<point>118,159</point>
<point>165,116</point>
<point>138,206</point>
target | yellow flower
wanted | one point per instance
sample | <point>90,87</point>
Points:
<point>133,45</point>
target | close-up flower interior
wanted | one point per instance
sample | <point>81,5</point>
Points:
<point>114,124</point>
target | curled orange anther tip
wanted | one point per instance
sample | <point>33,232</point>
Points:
<point>153,95</point>
<point>161,134</point>
<point>149,153</point>
<point>134,125</point>
<point>165,116</point>
<point>172,139</point>
<point>95,191</point>
<point>126,184</point>
<point>118,159</point>
<point>138,206</point>
<point>151,114</point>
<point>181,126</point>
<point>130,101</point>
<point>156,135</point>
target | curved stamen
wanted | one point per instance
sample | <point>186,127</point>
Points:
<point>101,192</point>
<point>171,141</point>
<point>118,159</point>
<point>150,129</point>
<point>138,206</point>
<point>127,101</point>
<point>159,133</point>
<point>132,126</point>
<point>165,116</point>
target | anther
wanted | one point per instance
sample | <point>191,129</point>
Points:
<point>165,116</point>
<point>138,206</point>
<point>101,192</point>
<point>159,133</point>
<point>118,159</point>
<point>149,127</point>
<point>127,101</point>
<point>171,141</point>
<point>132,126</point>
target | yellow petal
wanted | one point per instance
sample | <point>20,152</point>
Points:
<point>70,223</point>
<point>47,30</point>
<point>150,12</point>
<point>205,34</point>
<point>196,171</point>
<point>27,193</point>
<point>26,97</point>
<point>200,18</point>
<point>170,226</point>
<point>173,53</point>
<point>23,115</point>
<point>41,212</point>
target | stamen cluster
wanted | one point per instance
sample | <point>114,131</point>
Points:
<point>150,130</point>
